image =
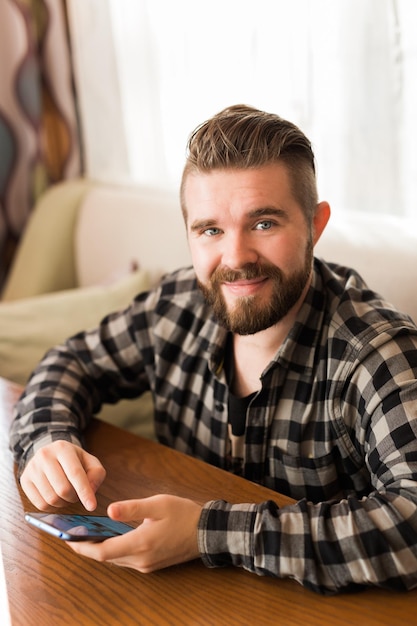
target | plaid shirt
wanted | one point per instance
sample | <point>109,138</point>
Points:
<point>334,424</point>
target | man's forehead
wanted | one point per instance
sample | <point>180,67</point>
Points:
<point>250,189</point>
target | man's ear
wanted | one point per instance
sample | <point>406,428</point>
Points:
<point>320,219</point>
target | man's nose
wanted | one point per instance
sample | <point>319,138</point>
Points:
<point>238,251</point>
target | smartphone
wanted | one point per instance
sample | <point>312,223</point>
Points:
<point>77,527</point>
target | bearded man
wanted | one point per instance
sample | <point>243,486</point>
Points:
<point>262,360</point>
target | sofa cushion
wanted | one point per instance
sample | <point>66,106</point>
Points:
<point>118,226</point>
<point>382,248</point>
<point>30,326</point>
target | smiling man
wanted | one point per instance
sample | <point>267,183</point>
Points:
<point>262,360</point>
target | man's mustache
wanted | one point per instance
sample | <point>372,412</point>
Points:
<point>248,272</point>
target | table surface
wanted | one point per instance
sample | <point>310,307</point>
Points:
<point>48,584</point>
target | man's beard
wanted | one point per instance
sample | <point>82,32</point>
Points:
<point>249,314</point>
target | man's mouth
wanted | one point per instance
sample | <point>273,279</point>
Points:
<point>245,287</point>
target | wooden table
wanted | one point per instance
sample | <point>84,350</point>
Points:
<point>48,584</point>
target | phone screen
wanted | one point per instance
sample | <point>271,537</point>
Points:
<point>77,527</point>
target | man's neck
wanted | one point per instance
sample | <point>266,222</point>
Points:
<point>251,355</point>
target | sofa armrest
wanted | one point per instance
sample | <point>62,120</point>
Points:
<point>44,261</point>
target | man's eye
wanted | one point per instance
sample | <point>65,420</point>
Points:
<point>210,232</point>
<point>264,225</point>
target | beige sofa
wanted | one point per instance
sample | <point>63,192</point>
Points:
<point>77,259</point>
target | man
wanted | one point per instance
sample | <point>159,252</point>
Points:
<point>263,361</point>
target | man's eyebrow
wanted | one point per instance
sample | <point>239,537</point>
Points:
<point>202,224</point>
<point>268,211</point>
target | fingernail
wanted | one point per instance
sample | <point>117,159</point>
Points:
<point>90,505</point>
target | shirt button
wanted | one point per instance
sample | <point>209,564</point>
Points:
<point>219,407</point>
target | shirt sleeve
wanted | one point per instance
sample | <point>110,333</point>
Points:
<point>351,542</point>
<point>73,380</point>
<point>326,547</point>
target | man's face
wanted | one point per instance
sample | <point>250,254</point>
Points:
<point>250,244</point>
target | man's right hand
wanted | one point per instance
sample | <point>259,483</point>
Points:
<point>61,473</point>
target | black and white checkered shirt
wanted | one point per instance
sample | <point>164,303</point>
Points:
<point>334,425</point>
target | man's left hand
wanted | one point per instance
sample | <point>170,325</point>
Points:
<point>166,536</point>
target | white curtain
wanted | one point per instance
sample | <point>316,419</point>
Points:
<point>149,71</point>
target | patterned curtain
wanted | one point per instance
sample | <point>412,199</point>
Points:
<point>39,136</point>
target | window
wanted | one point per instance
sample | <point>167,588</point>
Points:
<point>149,71</point>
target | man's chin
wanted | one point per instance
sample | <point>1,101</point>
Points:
<point>253,302</point>
<point>246,319</point>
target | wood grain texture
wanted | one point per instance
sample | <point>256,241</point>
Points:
<point>48,584</point>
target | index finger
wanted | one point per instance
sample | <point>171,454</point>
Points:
<point>85,476</point>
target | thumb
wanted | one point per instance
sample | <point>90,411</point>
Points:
<point>128,510</point>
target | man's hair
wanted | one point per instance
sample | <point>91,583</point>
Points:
<point>241,137</point>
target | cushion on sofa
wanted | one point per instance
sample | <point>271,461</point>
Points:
<point>382,248</point>
<point>141,225</point>
<point>30,326</point>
